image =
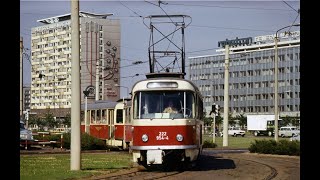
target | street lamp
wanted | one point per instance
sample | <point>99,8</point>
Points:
<point>86,122</point>
<point>117,85</point>
<point>276,108</point>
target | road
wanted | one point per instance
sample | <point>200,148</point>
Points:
<point>221,165</point>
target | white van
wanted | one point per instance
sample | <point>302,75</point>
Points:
<point>288,131</point>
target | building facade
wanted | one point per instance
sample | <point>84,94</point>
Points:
<point>251,76</point>
<point>26,98</point>
<point>51,62</point>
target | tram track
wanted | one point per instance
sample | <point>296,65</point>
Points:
<point>231,164</point>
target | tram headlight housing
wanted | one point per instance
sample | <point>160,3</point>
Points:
<point>179,137</point>
<point>144,138</point>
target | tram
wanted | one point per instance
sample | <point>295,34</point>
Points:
<point>167,109</point>
<point>166,136</point>
<point>109,121</point>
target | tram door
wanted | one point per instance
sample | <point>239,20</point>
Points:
<point>111,123</point>
<point>119,124</point>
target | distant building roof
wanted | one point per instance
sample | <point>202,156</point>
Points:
<point>65,17</point>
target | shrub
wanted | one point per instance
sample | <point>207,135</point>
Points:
<point>283,147</point>
<point>87,142</point>
<point>209,144</point>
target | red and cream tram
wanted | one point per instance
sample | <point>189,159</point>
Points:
<point>161,136</point>
<point>109,121</point>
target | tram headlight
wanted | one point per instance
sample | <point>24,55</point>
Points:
<point>179,137</point>
<point>144,138</point>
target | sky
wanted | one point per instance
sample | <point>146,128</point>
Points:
<point>211,21</point>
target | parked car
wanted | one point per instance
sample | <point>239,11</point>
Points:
<point>25,135</point>
<point>288,131</point>
<point>295,138</point>
<point>234,131</point>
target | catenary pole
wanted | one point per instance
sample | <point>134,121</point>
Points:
<point>276,110</point>
<point>75,149</point>
<point>21,77</point>
<point>86,120</point>
<point>276,70</point>
<point>226,98</point>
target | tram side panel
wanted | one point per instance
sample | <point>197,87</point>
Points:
<point>99,131</point>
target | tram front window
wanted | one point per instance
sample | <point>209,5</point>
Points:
<point>163,105</point>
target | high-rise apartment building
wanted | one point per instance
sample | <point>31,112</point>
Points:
<point>26,98</point>
<point>251,76</point>
<point>51,61</point>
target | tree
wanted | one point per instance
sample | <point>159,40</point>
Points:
<point>232,121</point>
<point>285,121</point>
<point>242,120</point>
<point>207,121</point>
<point>50,120</point>
<point>67,120</point>
<point>33,120</point>
<point>36,120</point>
<point>290,120</point>
<point>219,121</point>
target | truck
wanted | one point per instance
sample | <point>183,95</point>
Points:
<point>261,124</point>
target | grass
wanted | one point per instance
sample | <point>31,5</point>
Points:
<point>237,142</point>
<point>57,166</point>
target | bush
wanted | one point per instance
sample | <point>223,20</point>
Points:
<point>50,137</point>
<point>209,144</point>
<point>283,147</point>
<point>87,142</point>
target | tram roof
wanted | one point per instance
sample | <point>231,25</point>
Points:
<point>164,78</point>
<point>100,105</point>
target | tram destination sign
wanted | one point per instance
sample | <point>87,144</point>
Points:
<point>235,42</point>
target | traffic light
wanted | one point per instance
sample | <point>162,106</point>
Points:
<point>213,109</point>
<point>217,108</point>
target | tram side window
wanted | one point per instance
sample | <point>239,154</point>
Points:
<point>98,117</point>
<point>136,106</point>
<point>119,116</point>
<point>190,105</point>
<point>128,115</point>
<point>104,116</point>
<point>93,116</point>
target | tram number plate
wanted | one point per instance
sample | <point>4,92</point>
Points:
<point>162,136</point>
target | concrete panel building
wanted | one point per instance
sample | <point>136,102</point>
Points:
<point>26,98</point>
<point>51,61</point>
<point>251,76</point>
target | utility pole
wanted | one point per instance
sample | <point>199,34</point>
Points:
<point>86,120</point>
<point>276,108</point>
<point>21,77</point>
<point>75,148</point>
<point>97,80</point>
<point>226,98</point>
<point>226,45</point>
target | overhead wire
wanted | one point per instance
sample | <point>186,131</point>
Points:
<point>231,7</point>
<point>291,6</point>
<point>298,13</point>
<point>130,9</point>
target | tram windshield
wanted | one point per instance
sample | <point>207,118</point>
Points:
<point>163,105</point>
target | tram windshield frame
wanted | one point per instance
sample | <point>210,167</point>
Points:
<point>152,105</point>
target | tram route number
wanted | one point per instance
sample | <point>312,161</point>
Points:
<point>162,136</point>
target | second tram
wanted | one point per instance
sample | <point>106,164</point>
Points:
<point>109,121</point>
